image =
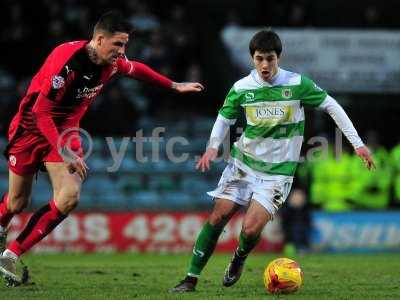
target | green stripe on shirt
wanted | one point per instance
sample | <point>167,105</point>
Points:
<point>284,168</point>
<point>275,132</point>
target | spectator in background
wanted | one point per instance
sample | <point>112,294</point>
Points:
<point>155,53</point>
<point>232,19</point>
<point>372,16</point>
<point>181,35</point>
<point>296,223</point>
<point>57,33</point>
<point>193,72</point>
<point>77,18</point>
<point>14,40</point>
<point>297,15</point>
<point>123,118</point>
<point>142,18</point>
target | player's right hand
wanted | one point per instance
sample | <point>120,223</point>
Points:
<point>74,163</point>
<point>186,87</point>
<point>204,163</point>
<point>79,166</point>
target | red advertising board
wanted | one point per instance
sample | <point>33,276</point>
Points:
<point>139,232</point>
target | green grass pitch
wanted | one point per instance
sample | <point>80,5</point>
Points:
<point>150,276</point>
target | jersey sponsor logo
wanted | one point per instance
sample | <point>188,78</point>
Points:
<point>57,82</point>
<point>13,160</point>
<point>88,92</point>
<point>249,96</point>
<point>269,114</point>
<point>287,93</point>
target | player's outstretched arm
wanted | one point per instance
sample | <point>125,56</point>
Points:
<point>346,126</point>
<point>364,153</point>
<point>187,87</point>
<point>143,72</point>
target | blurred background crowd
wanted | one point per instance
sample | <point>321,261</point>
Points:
<point>182,39</point>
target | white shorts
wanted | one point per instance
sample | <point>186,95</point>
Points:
<point>240,187</point>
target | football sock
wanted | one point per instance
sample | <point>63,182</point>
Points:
<point>246,244</point>
<point>5,216</point>
<point>40,224</point>
<point>203,248</point>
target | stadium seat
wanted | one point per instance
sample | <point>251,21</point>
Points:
<point>175,200</point>
<point>144,200</point>
<point>163,183</point>
<point>42,191</point>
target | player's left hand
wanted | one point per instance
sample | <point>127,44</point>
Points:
<point>364,153</point>
<point>186,87</point>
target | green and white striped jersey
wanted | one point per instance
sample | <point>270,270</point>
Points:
<point>271,142</point>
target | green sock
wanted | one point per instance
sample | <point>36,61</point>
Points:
<point>204,247</point>
<point>246,244</point>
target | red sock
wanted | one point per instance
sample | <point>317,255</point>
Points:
<point>40,224</point>
<point>5,216</point>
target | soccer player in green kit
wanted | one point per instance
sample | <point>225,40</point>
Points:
<point>263,161</point>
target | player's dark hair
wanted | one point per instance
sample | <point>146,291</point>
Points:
<point>113,21</point>
<point>265,41</point>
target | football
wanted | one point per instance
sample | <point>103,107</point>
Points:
<point>283,275</point>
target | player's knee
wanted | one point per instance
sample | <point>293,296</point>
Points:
<point>251,230</point>
<point>17,203</point>
<point>218,218</point>
<point>69,198</point>
<point>68,204</point>
<point>71,192</point>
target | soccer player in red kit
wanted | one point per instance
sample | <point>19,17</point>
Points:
<point>59,94</point>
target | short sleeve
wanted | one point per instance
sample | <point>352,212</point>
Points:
<point>311,94</point>
<point>231,108</point>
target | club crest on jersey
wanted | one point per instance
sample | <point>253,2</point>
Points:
<point>57,82</point>
<point>13,160</point>
<point>249,96</point>
<point>286,93</point>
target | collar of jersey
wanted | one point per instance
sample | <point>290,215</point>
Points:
<point>274,80</point>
